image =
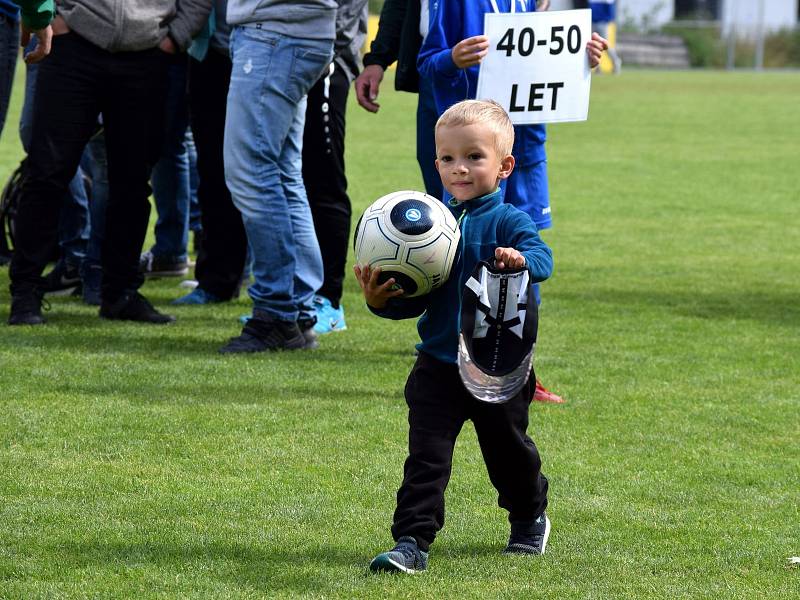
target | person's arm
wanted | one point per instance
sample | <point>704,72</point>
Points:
<point>435,61</point>
<point>36,18</point>
<point>189,19</point>
<point>382,52</point>
<point>383,300</point>
<point>518,231</point>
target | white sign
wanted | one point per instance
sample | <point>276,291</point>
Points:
<point>537,67</point>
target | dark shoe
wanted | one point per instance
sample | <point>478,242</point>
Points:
<point>133,307</point>
<point>63,278</point>
<point>262,333</point>
<point>306,327</point>
<point>92,278</point>
<point>529,537</point>
<point>26,309</point>
<point>151,265</point>
<point>405,557</point>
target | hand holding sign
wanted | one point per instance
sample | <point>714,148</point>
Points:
<point>470,52</point>
<point>536,66</point>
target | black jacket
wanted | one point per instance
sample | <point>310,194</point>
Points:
<point>398,39</point>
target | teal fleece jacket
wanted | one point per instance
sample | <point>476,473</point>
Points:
<point>486,223</point>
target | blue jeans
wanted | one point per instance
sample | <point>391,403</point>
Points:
<point>171,177</point>
<point>97,167</point>
<point>73,219</point>
<point>271,76</point>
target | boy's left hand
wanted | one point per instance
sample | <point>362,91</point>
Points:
<point>508,258</point>
<point>595,48</point>
<point>470,52</point>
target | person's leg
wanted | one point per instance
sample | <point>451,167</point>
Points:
<point>65,112</point>
<point>511,457</point>
<point>133,115</point>
<point>324,176</point>
<point>171,180</point>
<point>9,44</point>
<point>195,224</point>
<point>73,223</point>
<point>221,259</point>
<point>436,414</point>
<point>427,116</point>
<point>96,165</point>
<point>271,75</point>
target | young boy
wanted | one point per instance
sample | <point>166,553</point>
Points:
<point>450,58</point>
<point>473,150</point>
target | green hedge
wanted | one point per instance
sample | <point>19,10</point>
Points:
<point>707,47</point>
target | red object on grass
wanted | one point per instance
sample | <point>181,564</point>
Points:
<point>542,394</point>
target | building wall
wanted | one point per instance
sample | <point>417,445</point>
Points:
<point>743,15</point>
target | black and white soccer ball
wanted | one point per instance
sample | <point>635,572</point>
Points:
<point>412,237</point>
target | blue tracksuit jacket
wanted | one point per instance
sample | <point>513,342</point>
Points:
<point>487,223</point>
<point>452,21</point>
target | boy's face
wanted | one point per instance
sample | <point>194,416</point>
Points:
<point>468,162</point>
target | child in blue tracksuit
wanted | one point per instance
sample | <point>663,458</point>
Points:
<point>449,58</point>
<point>473,149</point>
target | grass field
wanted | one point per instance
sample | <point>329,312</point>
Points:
<point>135,461</point>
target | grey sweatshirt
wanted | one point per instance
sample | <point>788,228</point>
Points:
<point>121,25</point>
<point>305,19</point>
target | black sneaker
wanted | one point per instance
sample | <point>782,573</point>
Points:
<point>405,557</point>
<point>26,309</point>
<point>151,265</point>
<point>263,333</point>
<point>133,307</point>
<point>306,327</point>
<point>63,278</point>
<point>528,537</point>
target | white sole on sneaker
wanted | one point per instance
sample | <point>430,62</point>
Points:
<point>546,533</point>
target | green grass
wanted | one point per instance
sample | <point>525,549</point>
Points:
<point>135,461</point>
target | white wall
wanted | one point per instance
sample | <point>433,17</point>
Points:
<point>745,15</point>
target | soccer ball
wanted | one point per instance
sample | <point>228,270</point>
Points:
<point>412,237</point>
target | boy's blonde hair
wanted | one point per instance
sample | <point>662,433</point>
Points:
<point>489,112</point>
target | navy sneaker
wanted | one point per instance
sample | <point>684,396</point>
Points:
<point>64,278</point>
<point>133,307</point>
<point>151,265</point>
<point>198,296</point>
<point>528,537</point>
<point>405,557</point>
<point>263,333</point>
<point>328,318</point>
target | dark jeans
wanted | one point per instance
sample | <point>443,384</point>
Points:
<point>9,49</point>
<point>171,178</point>
<point>438,406</point>
<point>324,178</point>
<point>76,83</point>
<point>222,255</point>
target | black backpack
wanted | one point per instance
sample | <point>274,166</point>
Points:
<point>9,203</point>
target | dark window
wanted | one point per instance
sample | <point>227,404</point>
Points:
<point>698,9</point>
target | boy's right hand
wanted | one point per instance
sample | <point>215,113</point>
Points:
<point>376,294</point>
<point>470,52</point>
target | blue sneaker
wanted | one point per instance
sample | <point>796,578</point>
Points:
<point>405,557</point>
<point>198,296</point>
<point>328,318</point>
